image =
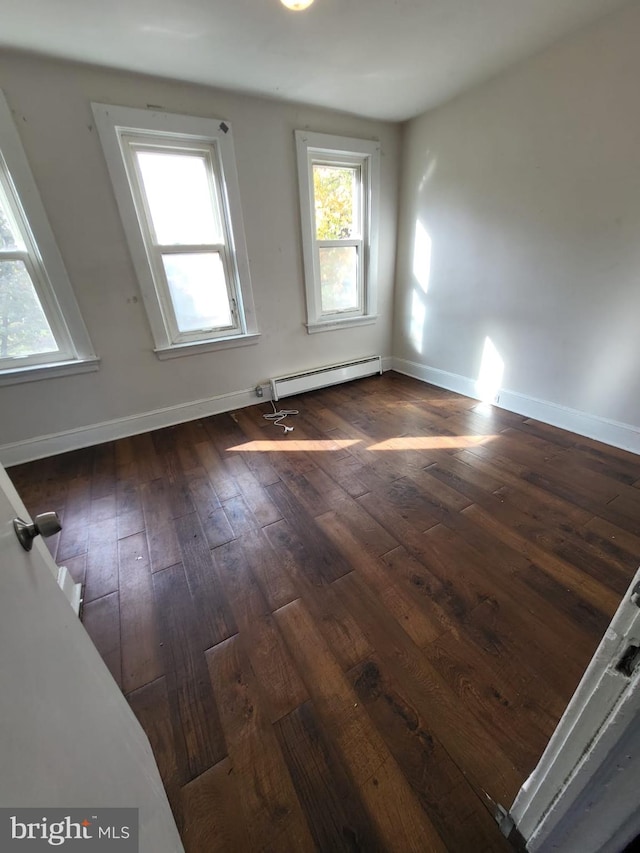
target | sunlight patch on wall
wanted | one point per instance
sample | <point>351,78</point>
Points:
<point>489,379</point>
<point>418,316</point>
<point>422,256</point>
<point>430,159</point>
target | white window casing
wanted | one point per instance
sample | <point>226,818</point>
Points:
<point>128,135</point>
<point>362,158</point>
<point>52,304</point>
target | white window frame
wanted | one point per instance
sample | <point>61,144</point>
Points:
<point>327,149</point>
<point>45,266</point>
<point>120,130</point>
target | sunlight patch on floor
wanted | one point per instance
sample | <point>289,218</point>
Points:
<point>432,442</point>
<point>308,445</point>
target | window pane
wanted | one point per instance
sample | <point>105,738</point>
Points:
<point>339,278</point>
<point>198,291</point>
<point>24,329</point>
<point>336,191</point>
<point>180,199</point>
<point>9,239</point>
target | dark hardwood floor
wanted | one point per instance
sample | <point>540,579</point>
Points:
<point>356,636</point>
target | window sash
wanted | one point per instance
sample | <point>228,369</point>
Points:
<point>166,300</point>
<point>360,211</point>
<point>30,257</point>
<point>358,309</point>
<point>130,144</point>
<point>362,217</point>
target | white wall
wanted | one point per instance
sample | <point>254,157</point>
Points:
<point>51,105</point>
<point>529,190</point>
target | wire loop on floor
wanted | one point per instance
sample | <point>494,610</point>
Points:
<point>279,415</point>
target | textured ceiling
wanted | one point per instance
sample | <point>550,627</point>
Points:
<point>387,59</point>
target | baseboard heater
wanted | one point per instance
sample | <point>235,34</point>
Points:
<point>310,380</point>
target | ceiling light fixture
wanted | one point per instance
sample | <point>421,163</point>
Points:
<point>296,5</point>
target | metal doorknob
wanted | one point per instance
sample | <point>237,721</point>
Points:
<point>45,524</point>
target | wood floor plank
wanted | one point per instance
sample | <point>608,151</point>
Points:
<point>178,498</point>
<point>187,436</point>
<point>427,766</point>
<point>164,550</point>
<point>240,518</point>
<point>271,660</point>
<point>360,745</point>
<point>482,759</point>
<point>425,569</point>
<point>150,704</point>
<point>267,567</point>
<point>210,602</point>
<point>149,465</point>
<point>77,567</point>
<point>253,492</point>
<point>396,813</point>
<point>102,559</point>
<point>141,659</point>
<point>317,552</point>
<point>223,483</point>
<point>265,790</point>
<point>74,537</point>
<point>103,473</point>
<point>422,623</point>
<point>200,740</point>
<point>539,520</point>
<point>231,440</point>
<point>510,618</point>
<point>213,819</point>
<point>241,589</point>
<point>596,593</point>
<point>212,517</point>
<point>613,539</point>
<point>101,619</point>
<point>347,642</point>
<point>498,704</point>
<point>401,824</point>
<point>128,501</point>
<point>332,804</point>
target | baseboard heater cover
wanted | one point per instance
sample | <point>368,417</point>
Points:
<point>322,377</point>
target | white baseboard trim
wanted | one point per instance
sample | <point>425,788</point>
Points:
<point>624,436</point>
<point>61,442</point>
<point>73,439</point>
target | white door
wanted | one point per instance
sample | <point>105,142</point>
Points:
<point>583,795</point>
<point>67,735</point>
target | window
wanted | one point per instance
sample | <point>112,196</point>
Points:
<point>41,330</point>
<point>339,197</point>
<point>176,186</point>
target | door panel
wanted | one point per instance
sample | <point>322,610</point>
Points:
<point>67,735</point>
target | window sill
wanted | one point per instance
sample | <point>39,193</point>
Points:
<point>345,323</point>
<point>35,372</point>
<point>178,350</point>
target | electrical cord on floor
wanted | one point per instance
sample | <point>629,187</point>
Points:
<point>279,415</point>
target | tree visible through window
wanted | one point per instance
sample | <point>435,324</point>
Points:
<point>41,329</point>
<point>24,328</point>
<point>338,198</point>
